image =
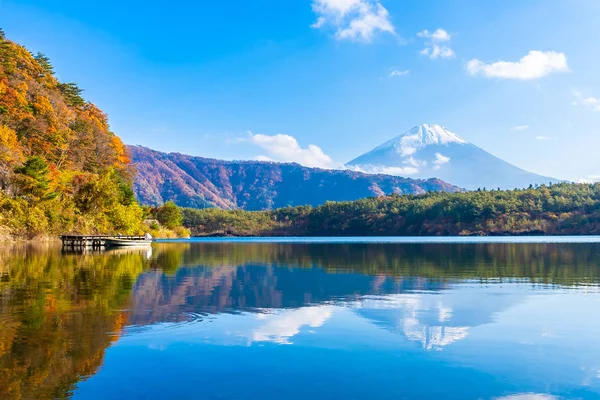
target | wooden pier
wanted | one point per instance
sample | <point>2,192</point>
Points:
<point>95,242</point>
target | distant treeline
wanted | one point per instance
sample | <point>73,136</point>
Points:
<point>564,208</point>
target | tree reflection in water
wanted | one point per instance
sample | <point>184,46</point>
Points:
<point>60,312</point>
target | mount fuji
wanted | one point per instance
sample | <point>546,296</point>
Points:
<point>432,151</point>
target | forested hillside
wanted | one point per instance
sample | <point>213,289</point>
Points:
<point>254,185</point>
<point>61,168</point>
<point>572,209</point>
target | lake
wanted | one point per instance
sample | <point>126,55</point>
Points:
<point>473,318</point>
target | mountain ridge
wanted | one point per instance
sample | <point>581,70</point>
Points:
<point>201,182</point>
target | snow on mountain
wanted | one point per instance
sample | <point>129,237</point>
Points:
<point>419,137</point>
<point>432,151</point>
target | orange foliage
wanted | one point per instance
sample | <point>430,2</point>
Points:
<point>80,162</point>
<point>38,109</point>
<point>122,154</point>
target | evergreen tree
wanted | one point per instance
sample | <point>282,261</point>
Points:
<point>33,180</point>
<point>72,93</point>
<point>44,62</point>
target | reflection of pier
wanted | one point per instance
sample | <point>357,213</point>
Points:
<point>95,242</point>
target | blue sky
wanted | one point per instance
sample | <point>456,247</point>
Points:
<point>336,77</point>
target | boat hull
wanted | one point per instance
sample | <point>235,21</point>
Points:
<point>127,243</point>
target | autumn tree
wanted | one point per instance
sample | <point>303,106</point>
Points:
<point>169,215</point>
<point>61,168</point>
<point>10,153</point>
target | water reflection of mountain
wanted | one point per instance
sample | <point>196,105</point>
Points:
<point>220,277</point>
<point>433,320</point>
<point>59,313</point>
<point>202,290</point>
<point>420,309</point>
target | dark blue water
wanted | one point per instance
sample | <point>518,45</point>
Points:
<point>222,320</point>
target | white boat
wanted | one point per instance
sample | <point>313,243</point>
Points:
<point>118,242</point>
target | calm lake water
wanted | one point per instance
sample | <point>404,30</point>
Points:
<point>310,319</point>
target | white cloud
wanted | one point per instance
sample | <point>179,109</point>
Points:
<point>353,19</point>
<point>380,169</point>
<point>534,65</point>
<point>444,313</point>
<point>406,149</point>
<point>263,158</point>
<point>527,396</point>
<point>434,50</point>
<point>439,35</point>
<point>441,159</point>
<point>287,149</point>
<point>397,72</point>
<point>543,138</point>
<point>589,179</point>
<point>414,162</point>
<point>437,51</point>
<point>519,128</point>
<point>282,326</point>
<point>400,171</point>
<point>319,23</point>
<point>589,102</point>
<point>417,312</point>
<point>337,7</point>
<point>433,337</point>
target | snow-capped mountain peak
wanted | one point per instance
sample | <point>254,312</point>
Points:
<point>435,134</point>
<point>432,151</point>
<point>421,136</point>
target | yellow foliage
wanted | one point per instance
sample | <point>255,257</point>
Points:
<point>87,172</point>
<point>58,348</point>
<point>163,233</point>
<point>43,106</point>
<point>126,219</point>
<point>22,87</point>
<point>9,145</point>
<point>21,97</point>
<point>182,232</point>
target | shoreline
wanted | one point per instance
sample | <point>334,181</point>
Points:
<point>589,239</point>
<point>18,239</point>
<point>507,234</point>
<point>55,239</point>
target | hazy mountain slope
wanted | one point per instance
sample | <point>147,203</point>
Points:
<point>428,151</point>
<point>255,185</point>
